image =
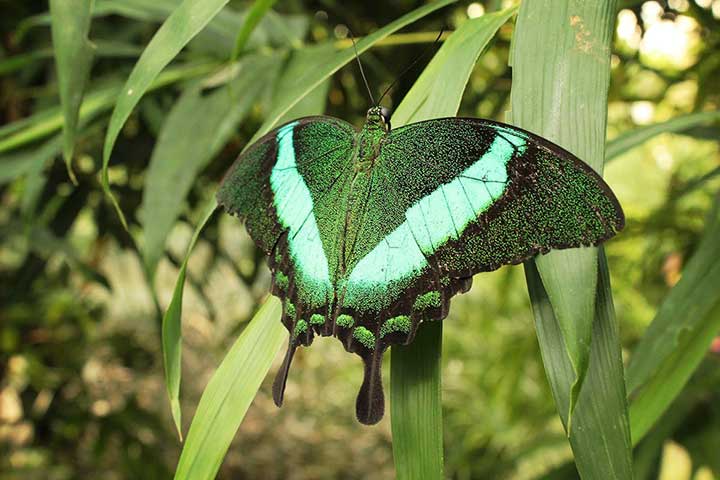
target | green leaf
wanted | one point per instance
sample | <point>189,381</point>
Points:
<point>73,59</point>
<point>183,24</point>
<point>679,337</point>
<point>439,89</point>
<point>561,94</point>
<point>196,128</point>
<point>230,392</point>
<point>416,410</point>
<point>634,138</point>
<point>47,122</point>
<point>256,13</point>
<point>171,329</point>
<point>172,320</point>
<point>600,435</point>
<point>416,405</point>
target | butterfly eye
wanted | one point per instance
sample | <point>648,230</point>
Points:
<point>385,114</point>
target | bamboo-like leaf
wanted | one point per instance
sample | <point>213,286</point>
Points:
<point>634,138</point>
<point>196,128</point>
<point>42,124</point>
<point>172,319</point>
<point>171,330</point>
<point>561,93</point>
<point>230,392</point>
<point>600,435</point>
<point>181,26</point>
<point>415,402</point>
<point>679,336</point>
<point>73,59</point>
<point>259,8</point>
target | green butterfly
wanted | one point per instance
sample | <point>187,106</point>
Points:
<point>371,233</point>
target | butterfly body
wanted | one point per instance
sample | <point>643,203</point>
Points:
<point>371,233</point>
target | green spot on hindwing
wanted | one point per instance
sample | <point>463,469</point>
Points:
<point>300,327</point>
<point>345,321</point>
<point>427,300</point>
<point>365,337</point>
<point>289,309</point>
<point>317,319</point>
<point>401,323</point>
<point>281,281</point>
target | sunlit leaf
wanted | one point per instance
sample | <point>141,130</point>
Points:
<point>561,94</point>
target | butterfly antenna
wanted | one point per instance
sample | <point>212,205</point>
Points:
<point>412,64</point>
<point>362,72</point>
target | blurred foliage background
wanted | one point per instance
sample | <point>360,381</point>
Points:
<point>81,377</point>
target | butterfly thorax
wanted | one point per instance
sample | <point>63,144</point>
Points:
<point>370,139</point>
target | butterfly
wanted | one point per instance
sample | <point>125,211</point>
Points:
<point>370,233</point>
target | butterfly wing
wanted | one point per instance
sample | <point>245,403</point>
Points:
<point>278,186</point>
<point>453,197</point>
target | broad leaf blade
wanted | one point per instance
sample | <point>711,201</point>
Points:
<point>230,392</point>
<point>182,25</point>
<point>416,386</point>
<point>600,435</point>
<point>73,59</point>
<point>540,106</point>
<point>679,336</point>
<point>561,93</point>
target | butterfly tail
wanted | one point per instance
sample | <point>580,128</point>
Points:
<point>370,405</point>
<point>282,374</point>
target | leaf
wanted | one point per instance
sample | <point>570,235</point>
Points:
<point>439,89</point>
<point>416,405</point>
<point>171,329</point>
<point>416,410</point>
<point>172,334</point>
<point>679,337</point>
<point>196,128</point>
<point>634,138</point>
<point>256,13</point>
<point>600,437</point>
<point>73,59</point>
<point>561,94</point>
<point>44,123</point>
<point>230,392</point>
<point>180,27</point>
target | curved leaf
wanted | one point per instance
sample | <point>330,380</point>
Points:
<point>183,24</point>
<point>73,59</point>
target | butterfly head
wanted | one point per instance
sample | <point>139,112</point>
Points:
<point>379,116</point>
